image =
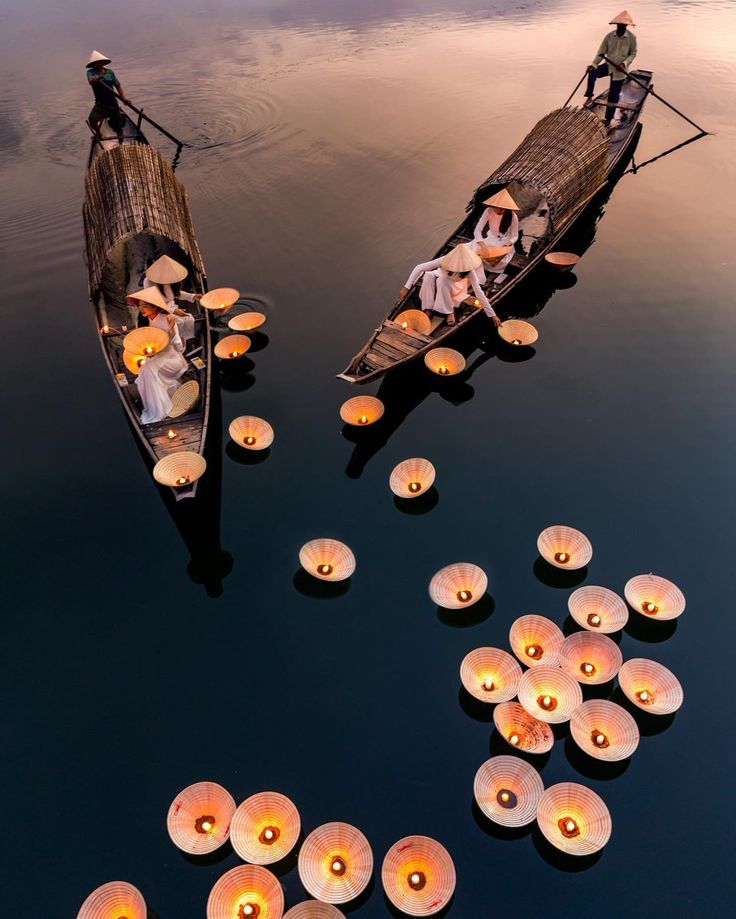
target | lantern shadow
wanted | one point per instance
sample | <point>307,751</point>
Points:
<point>244,457</point>
<point>563,280</point>
<point>151,913</point>
<point>572,864</point>
<point>555,577</point>
<point>477,710</point>
<point>362,897</point>
<point>289,862</point>
<point>456,391</point>
<point>515,354</point>
<point>212,858</point>
<point>593,768</point>
<point>396,913</point>
<point>361,434</point>
<point>499,747</point>
<point>232,382</point>
<point>258,341</point>
<point>467,617</point>
<point>650,630</point>
<point>597,690</point>
<point>308,586</point>
<point>414,507</point>
<point>498,830</point>
<point>560,730</point>
<point>649,725</point>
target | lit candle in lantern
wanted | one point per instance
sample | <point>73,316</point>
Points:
<point>476,302</point>
<point>105,329</point>
<point>464,595</point>
<point>443,370</point>
<point>506,798</point>
<point>204,824</point>
<point>417,880</point>
<point>404,325</point>
<point>363,419</point>
<point>599,739</point>
<point>650,607</point>
<point>248,909</point>
<point>249,439</point>
<point>269,835</point>
<point>415,487</point>
<point>171,434</point>
<point>234,354</point>
<point>182,480</point>
<point>515,341</point>
<point>533,651</point>
<point>149,349</point>
<point>324,569</point>
<point>140,362</point>
<point>568,827</point>
<point>562,557</point>
<point>644,696</point>
<point>514,739</point>
<point>338,866</point>
<point>594,619</point>
<point>547,702</point>
<point>488,685</point>
<point>587,668</point>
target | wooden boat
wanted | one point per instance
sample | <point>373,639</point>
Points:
<point>135,210</point>
<point>558,169</point>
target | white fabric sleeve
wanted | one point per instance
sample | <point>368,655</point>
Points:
<point>419,271</point>
<point>481,225</point>
<point>478,290</point>
<point>185,295</point>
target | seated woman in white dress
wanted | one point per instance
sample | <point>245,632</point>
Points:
<point>166,274</point>
<point>159,376</point>
<point>445,283</point>
<point>498,226</point>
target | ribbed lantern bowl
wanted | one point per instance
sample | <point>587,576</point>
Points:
<point>490,675</point>
<point>508,790</point>
<point>335,863</point>
<point>565,547</point>
<point>327,559</point>
<point>184,399</point>
<point>246,892</point>
<point>412,478</point>
<point>146,341</point>
<point>115,900</point>
<point>458,585</point>
<point>251,432</point>
<point>220,299</point>
<point>231,347</point>
<point>199,818</point>
<point>562,261</point>
<point>655,597</point>
<point>265,828</point>
<point>361,411</point>
<point>650,686</point>
<point>604,730</point>
<point>416,320</point>
<point>536,641</point>
<point>598,609</point>
<point>549,694</point>
<point>574,819</point>
<point>418,876</point>
<point>521,730</point>
<point>134,362</point>
<point>590,658</point>
<point>517,332</point>
<point>247,322</point>
<point>444,362</point>
<point>179,469</point>
<point>314,909</point>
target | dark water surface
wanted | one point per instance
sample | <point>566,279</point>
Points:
<point>335,143</point>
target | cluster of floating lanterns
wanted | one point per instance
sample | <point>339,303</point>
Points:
<point>508,790</point>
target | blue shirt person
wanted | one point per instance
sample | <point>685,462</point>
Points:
<point>106,88</point>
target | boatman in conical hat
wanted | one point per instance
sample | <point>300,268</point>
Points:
<point>104,85</point>
<point>619,47</point>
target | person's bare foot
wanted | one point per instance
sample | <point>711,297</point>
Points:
<point>451,319</point>
<point>588,102</point>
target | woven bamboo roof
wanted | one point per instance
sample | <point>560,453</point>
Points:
<point>563,158</point>
<point>131,189</point>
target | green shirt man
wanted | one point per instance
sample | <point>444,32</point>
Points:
<point>618,49</point>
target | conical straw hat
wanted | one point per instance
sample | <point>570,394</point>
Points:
<point>251,432</point>
<point>97,57</point>
<point>574,819</point>
<point>549,694</point>
<point>490,675</point>
<point>461,258</point>
<point>604,730</point>
<point>590,658</point>
<point>327,559</point>
<point>412,477</point>
<point>184,399</point>
<point>146,341</point>
<point>179,469</point>
<point>502,199</point>
<point>232,346</point>
<point>361,410</point>
<point>650,686</point>
<point>335,863</point>
<point>565,547</point>
<point>536,641</point>
<point>113,901</point>
<point>623,18</point>
<point>166,270</point>
<point>221,298</point>
<point>508,790</point>
<point>458,585</point>
<point>518,332</point>
<point>246,891</point>
<point>314,909</point>
<point>418,876</point>
<point>521,730</point>
<point>199,818</point>
<point>445,362</point>
<point>598,609</point>
<point>414,319</point>
<point>655,597</point>
<point>247,322</point>
<point>151,295</point>
<point>265,828</point>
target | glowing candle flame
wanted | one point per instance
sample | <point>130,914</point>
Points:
<point>562,557</point>
<point>204,824</point>
<point>464,595</point>
<point>417,880</point>
<point>248,909</point>
<point>363,419</point>
<point>105,329</point>
<point>269,835</point>
<point>514,739</point>
<point>182,480</point>
<point>587,669</point>
<point>338,866</point>
<point>325,569</point>
<point>547,702</point>
<point>415,486</point>
<point>488,684</point>
<point>533,651</point>
<point>650,607</point>
<point>249,439</point>
<point>149,350</point>
<point>140,362</point>
<point>404,325</point>
<point>568,827</point>
<point>599,739</point>
<point>644,696</point>
<point>443,370</point>
<point>171,434</point>
<point>594,619</point>
<point>234,354</point>
<point>516,341</point>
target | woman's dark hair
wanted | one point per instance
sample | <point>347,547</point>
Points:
<point>462,274</point>
<point>505,221</point>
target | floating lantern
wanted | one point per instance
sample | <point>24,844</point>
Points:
<point>604,730</point>
<point>655,597</point>
<point>133,361</point>
<point>562,261</point>
<point>265,828</point>
<point>650,686</point>
<point>412,478</point>
<point>522,730</point>
<point>508,790</point>
<point>199,818</point>
<point>549,694</point>
<point>179,469</point>
<point>247,322</point>
<point>598,609</point>
<point>246,892</point>
<point>517,332</point>
<point>444,361</point>
<point>184,399</point>
<point>574,819</point>
<point>536,641</point>
<point>458,585</point>
<point>220,299</point>
<point>231,347</point>
<point>251,432</point>
<point>335,863</point>
<point>565,547</point>
<point>361,410</point>
<point>313,909</point>
<point>490,675</point>
<point>146,341</point>
<point>418,876</point>
<point>417,320</point>
<point>590,658</point>
<point>115,900</point>
<point>327,559</point>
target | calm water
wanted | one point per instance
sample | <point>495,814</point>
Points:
<point>334,145</point>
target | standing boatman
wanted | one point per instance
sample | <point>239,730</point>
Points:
<point>103,82</point>
<point>620,48</point>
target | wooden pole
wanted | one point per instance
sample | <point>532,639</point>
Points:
<point>142,114</point>
<point>575,90</point>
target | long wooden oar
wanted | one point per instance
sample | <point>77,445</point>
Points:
<point>575,90</point>
<point>142,114</point>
